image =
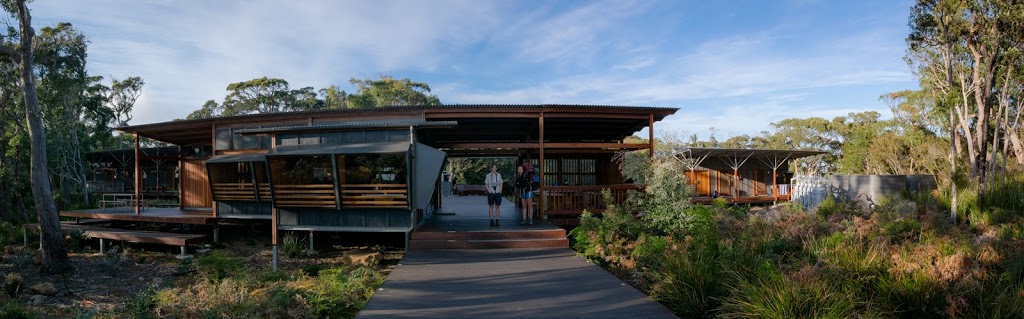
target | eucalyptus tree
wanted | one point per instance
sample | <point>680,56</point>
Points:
<point>964,54</point>
<point>388,91</point>
<point>55,257</point>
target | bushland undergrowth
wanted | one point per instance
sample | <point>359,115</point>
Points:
<point>904,258</point>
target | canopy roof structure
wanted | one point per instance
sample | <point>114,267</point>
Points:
<point>736,157</point>
<point>457,126</point>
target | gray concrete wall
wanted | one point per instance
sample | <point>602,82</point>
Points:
<point>871,188</point>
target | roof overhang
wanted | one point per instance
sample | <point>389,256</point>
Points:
<point>330,149</point>
<point>237,158</point>
<point>476,123</point>
<point>696,152</point>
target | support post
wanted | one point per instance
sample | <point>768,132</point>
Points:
<point>273,234</point>
<point>650,132</point>
<point>275,257</point>
<point>735,183</point>
<point>24,237</point>
<point>184,253</point>
<point>137,203</point>
<point>103,246</point>
<point>775,185</point>
<point>311,241</point>
<point>216,234</point>
<point>540,163</point>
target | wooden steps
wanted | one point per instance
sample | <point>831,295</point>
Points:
<point>523,237</point>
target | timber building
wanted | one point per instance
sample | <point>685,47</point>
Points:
<point>380,170</point>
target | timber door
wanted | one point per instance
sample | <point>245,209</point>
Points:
<point>701,180</point>
<point>195,187</point>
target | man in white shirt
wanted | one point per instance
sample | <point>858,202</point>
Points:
<point>493,184</point>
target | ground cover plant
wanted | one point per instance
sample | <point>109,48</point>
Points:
<point>902,258</point>
<point>232,280</point>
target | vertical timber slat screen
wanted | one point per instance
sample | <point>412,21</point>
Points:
<point>195,187</point>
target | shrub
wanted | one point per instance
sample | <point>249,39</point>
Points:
<point>778,296</point>
<point>12,309</point>
<point>12,284</point>
<point>913,295</point>
<point>689,281</point>
<point>9,233</point>
<point>218,265</point>
<point>338,293</point>
<point>138,306</point>
<point>829,207</point>
<point>294,245</point>
<point>74,240</point>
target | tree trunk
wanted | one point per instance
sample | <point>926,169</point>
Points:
<point>55,256</point>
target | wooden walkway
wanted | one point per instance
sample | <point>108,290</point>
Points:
<point>506,283</point>
<point>150,215</point>
<point>502,283</point>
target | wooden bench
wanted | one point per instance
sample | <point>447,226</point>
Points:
<point>462,190</point>
<point>134,236</point>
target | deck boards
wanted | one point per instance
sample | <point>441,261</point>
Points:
<point>501,283</point>
<point>150,214</point>
<point>137,236</point>
<point>506,283</point>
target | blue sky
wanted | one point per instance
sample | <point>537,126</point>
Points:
<point>733,65</point>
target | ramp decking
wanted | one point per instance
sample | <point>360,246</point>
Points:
<point>506,283</point>
<point>502,282</point>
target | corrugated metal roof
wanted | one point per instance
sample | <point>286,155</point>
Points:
<point>345,126</point>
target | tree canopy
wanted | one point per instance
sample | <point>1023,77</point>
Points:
<point>268,95</point>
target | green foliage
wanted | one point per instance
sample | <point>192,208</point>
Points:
<point>13,309</point>
<point>691,282</point>
<point>74,240</point>
<point>778,296</point>
<point>829,207</point>
<point>388,91</point>
<point>633,165</point>
<point>12,284</point>
<point>294,245</point>
<point>333,293</point>
<point>914,295</point>
<point>10,233</point>
<point>339,293</point>
<point>139,306</point>
<point>218,265</point>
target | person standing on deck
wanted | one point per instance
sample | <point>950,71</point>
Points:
<point>525,195</point>
<point>493,185</point>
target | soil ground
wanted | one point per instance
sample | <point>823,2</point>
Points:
<point>100,283</point>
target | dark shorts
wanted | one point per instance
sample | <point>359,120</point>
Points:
<point>494,199</point>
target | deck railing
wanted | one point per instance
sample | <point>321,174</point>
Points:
<point>308,195</point>
<point>233,191</point>
<point>374,196</point>
<point>572,200</point>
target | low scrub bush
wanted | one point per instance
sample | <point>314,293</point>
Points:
<point>333,293</point>
<point>13,309</point>
<point>12,284</point>
<point>218,265</point>
<point>294,245</point>
<point>778,296</point>
<point>691,282</point>
<point>10,233</point>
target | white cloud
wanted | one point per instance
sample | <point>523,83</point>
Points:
<point>488,52</point>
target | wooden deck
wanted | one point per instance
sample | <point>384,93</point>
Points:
<point>463,224</point>
<point>135,236</point>
<point>150,214</point>
<point>501,283</point>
